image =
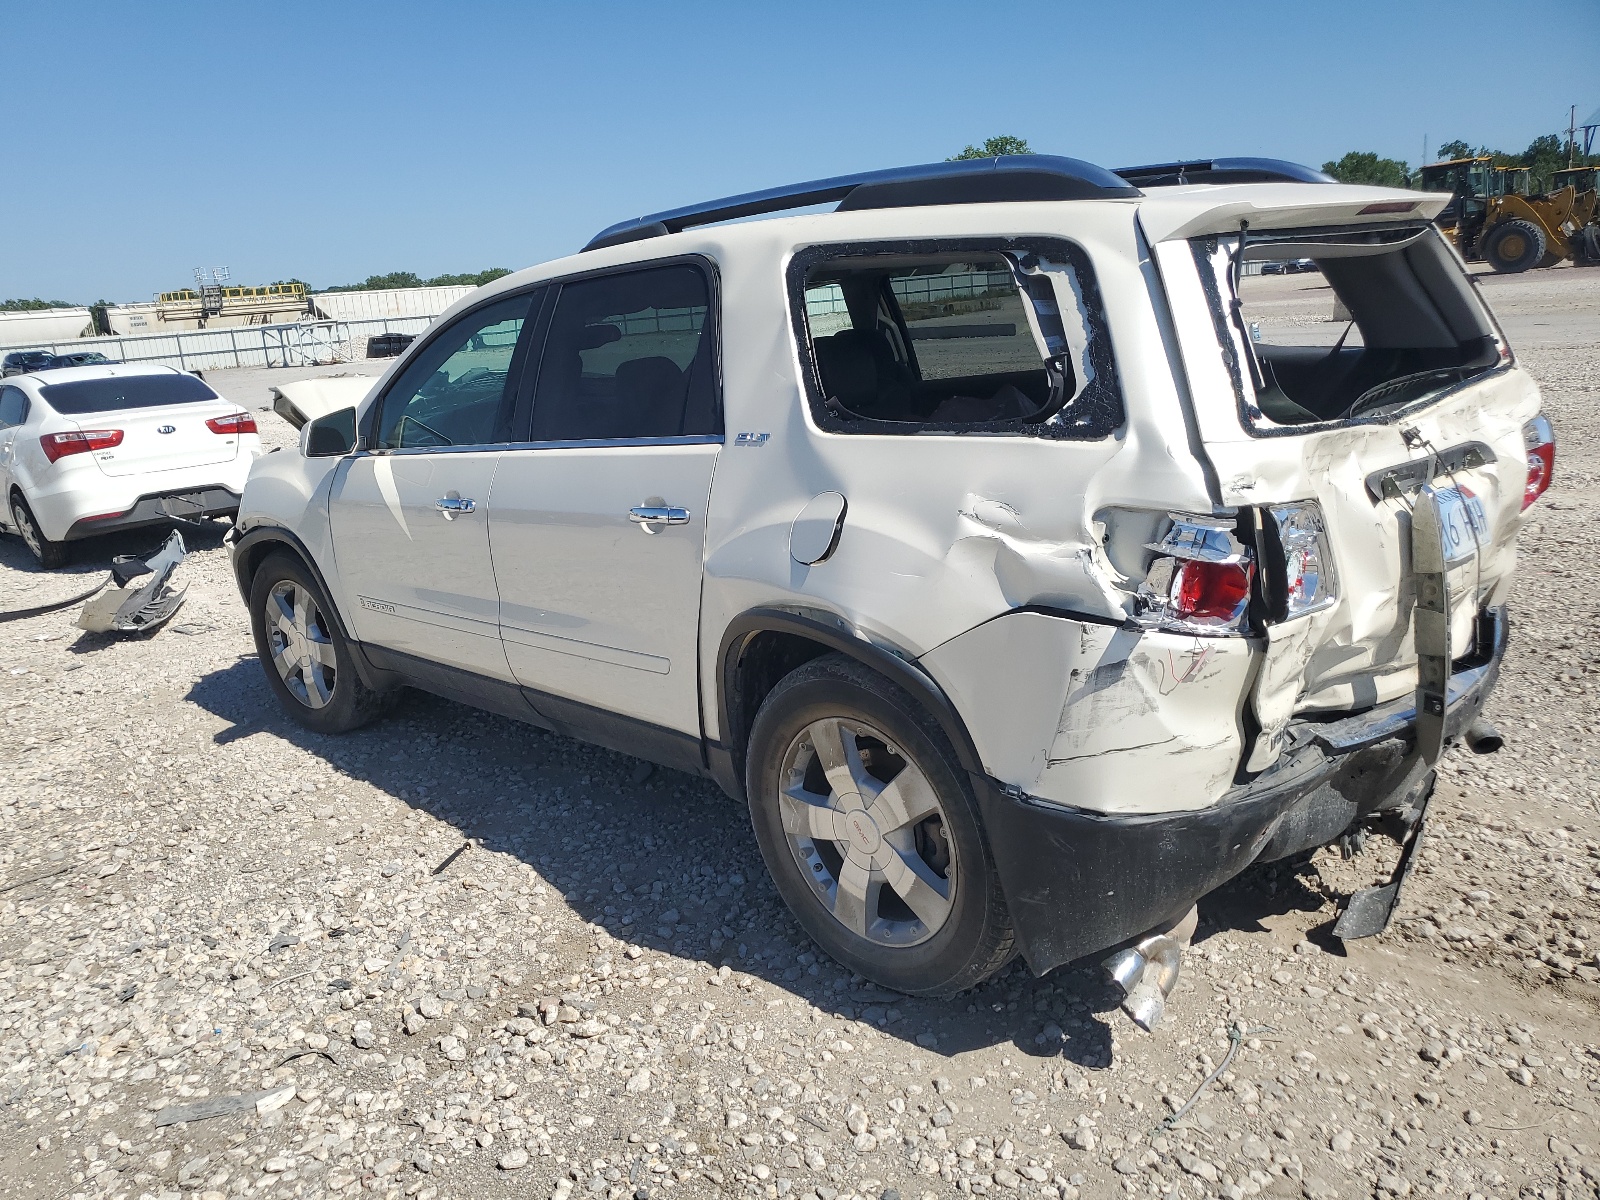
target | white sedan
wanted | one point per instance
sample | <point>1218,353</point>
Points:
<point>86,450</point>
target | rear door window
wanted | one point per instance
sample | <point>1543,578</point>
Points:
<point>629,355</point>
<point>954,339</point>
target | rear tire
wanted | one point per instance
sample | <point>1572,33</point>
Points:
<point>309,665</point>
<point>1586,246</point>
<point>1513,246</point>
<point>871,832</point>
<point>48,554</point>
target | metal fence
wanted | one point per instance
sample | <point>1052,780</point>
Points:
<point>303,344</point>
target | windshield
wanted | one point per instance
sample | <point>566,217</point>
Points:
<point>1329,325</point>
<point>79,397</point>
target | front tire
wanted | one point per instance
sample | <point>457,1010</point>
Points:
<point>48,554</point>
<point>308,663</point>
<point>870,830</point>
<point>1513,246</point>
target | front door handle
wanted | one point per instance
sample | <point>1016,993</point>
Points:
<point>654,514</point>
<point>451,507</point>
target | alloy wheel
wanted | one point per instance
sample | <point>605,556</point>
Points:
<point>301,644</point>
<point>23,520</point>
<point>868,832</point>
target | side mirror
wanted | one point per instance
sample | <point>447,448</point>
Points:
<point>331,436</point>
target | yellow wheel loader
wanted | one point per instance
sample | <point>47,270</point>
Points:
<point>1493,218</point>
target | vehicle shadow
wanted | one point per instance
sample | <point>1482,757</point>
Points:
<point>656,858</point>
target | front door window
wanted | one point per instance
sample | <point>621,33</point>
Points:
<point>454,392</point>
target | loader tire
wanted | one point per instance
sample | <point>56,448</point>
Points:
<point>1513,246</point>
<point>1586,246</point>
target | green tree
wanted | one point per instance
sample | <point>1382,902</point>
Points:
<point>1455,149</point>
<point>994,147</point>
<point>410,279</point>
<point>1360,166</point>
<point>34,305</point>
<point>1545,156</point>
<point>470,279</point>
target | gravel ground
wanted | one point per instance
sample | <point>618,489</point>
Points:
<point>450,956</point>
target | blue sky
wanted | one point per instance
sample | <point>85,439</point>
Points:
<point>337,140</point>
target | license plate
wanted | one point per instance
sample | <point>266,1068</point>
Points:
<point>1463,523</point>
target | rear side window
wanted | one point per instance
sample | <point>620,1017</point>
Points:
<point>454,392</point>
<point>629,356</point>
<point>952,338</point>
<point>80,397</point>
<point>13,407</point>
<point>1321,326</point>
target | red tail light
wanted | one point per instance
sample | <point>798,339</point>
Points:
<point>59,445</point>
<point>1215,591</point>
<point>1540,439</point>
<point>232,423</point>
<point>1199,581</point>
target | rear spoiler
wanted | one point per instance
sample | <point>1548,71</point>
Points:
<point>1222,170</point>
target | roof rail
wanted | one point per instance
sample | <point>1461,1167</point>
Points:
<point>1014,177</point>
<point>1222,170</point>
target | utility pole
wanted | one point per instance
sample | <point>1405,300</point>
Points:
<point>1572,133</point>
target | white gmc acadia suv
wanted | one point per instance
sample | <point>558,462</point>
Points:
<point>986,535</point>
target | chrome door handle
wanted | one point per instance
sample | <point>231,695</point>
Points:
<point>451,507</point>
<point>659,515</point>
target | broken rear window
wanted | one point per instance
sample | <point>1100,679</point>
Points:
<point>1334,325</point>
<point>940,338</point>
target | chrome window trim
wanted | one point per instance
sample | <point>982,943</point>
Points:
<point>698,439</point>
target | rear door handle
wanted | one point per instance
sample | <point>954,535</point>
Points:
<point>451,507</point>
<point>658,515</point>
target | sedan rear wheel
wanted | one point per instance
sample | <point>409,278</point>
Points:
<point>49,555</point>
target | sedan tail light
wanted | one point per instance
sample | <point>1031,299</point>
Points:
<point>1540,439</point>
<point>1200,580</point>
<point>232,423</point>
<point>59,445</point>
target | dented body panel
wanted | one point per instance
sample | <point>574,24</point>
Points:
<point>1100,717</point>
<point>938,538</point>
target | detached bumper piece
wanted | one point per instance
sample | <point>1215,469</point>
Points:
<point>139,597</point>
<point>1368,911</point>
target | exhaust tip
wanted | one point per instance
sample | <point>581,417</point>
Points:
<point>1483,738</point>
<point>1124,968</point>
<point>1145,1006</point>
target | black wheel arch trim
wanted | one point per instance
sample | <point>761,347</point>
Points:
<point>828,629</point>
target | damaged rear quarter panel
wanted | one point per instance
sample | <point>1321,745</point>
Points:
<point>944,531</point>
<point>1099,716</point>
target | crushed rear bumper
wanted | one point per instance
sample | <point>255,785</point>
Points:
<point>158,508</point>
<point>1078,881</point>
